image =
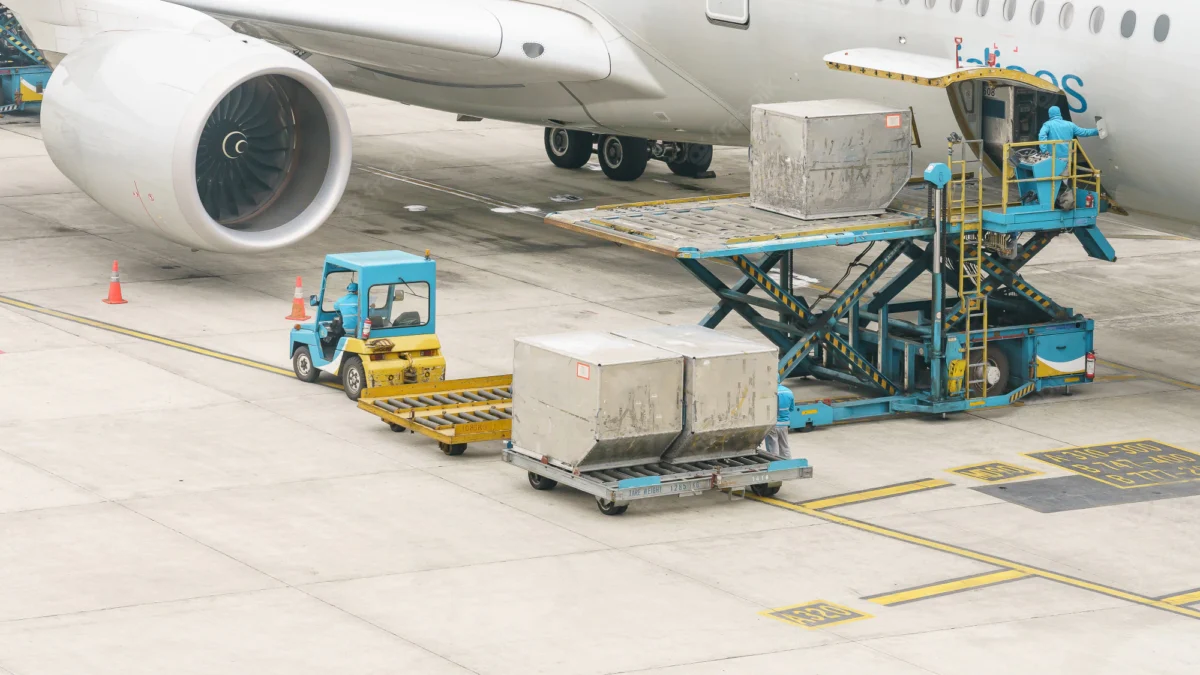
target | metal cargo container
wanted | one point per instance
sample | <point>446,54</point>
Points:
<point>595,400</point>
<point>729,391</point>
<point>825,159</point>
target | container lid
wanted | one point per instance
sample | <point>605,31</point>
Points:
<point>829,108</point>
<point>598,348</point>
<point>696,341</point>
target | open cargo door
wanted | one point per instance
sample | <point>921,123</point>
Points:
<point>994,104</point>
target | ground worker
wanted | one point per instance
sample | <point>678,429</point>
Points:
<point>1058,129</point>
<point>345,320</point>
<point>777,437</point>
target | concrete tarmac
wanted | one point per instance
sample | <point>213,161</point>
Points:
<point>166,511</point>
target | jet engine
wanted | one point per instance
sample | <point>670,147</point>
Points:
<point>218,142</point>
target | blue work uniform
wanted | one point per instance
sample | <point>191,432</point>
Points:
<point>1058,129</point>
<point>347,308</point>
<point>777,438</point>
<point>787,400</point>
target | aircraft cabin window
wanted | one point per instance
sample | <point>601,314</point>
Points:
<point>981,7</point>
<point>1010,9</point>
<point>1097,22</point>
<point>1038,12</point>
<point>1066,15</point>
<point>1162,28</point>
<point>955,5</point>
<point>1128,23</point>
<point>730,11</point>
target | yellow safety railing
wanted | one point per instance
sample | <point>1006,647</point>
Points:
<point>1080,171</point>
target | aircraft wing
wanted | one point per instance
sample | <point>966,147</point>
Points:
<point>462,43</point>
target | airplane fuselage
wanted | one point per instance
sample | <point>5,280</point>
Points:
<point>712,73</point>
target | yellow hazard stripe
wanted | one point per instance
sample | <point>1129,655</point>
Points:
<point>876,493</point>
<point>947,587</point>
<point>773,288</point>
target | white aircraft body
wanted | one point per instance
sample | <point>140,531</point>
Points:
<point>213,122</point>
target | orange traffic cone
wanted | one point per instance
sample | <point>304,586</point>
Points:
<point>114,288</point>
<point>298,305</point>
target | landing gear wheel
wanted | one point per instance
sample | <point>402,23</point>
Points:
<point>694,162</point>
<point>540,482</point>
<point>568,149</point>
<point>610,508</point>
<point>997,373</point>
<point>623,157</point>
<point>354,380</point>
<point>302,364</point>
<point>766,489</point>
<point>453,449</point>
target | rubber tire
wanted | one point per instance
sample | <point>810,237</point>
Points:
<point>699,158</point>
<point>302,353</point>
<point>353,367</point>
<point>634,155</point>
<point>578,150</point>
<point>998,358</point>
<point>609,508</point>
<point>396,427</point>
<point>766,489</point>
<point>539,482</point>
<point>453,449</point>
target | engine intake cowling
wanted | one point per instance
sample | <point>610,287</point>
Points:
<point>223,143</point>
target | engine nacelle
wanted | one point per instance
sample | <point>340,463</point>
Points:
<point>223,143</point>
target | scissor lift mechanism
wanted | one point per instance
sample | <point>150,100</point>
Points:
<point>905,366</point>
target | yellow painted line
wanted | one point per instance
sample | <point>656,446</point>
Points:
<point>947,587</point>
<point>1153,376</point>
<point>157,339</point>
<point>981,557</point>
<point>1183,598</point>
<point>877,493</point>
<point>679,200</point>
<point>1116,378</point>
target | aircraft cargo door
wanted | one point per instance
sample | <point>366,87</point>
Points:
<point>996,105</point>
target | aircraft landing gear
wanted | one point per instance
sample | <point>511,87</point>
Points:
<point>568,149</point>
<point>623,158</point>
<point>690,160</point>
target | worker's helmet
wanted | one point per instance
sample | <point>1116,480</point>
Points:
<point>352,288</point>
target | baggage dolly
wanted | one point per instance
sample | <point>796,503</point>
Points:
<point>615,488</point>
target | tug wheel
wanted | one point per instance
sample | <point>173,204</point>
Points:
<point>302,365</point>
<point>354,379</point>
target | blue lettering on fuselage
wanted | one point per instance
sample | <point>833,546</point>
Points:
<point>1070,83</point>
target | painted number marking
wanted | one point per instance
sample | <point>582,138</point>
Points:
<point>583,371</point>
<point>994,472</point>
<point>816,614</point>
<point>1127,465</point>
